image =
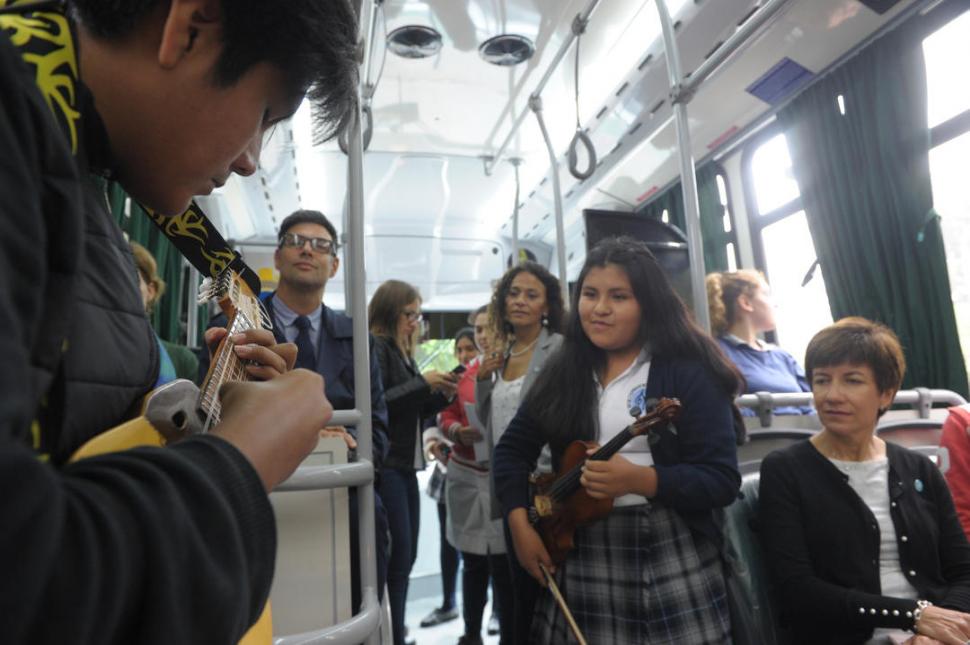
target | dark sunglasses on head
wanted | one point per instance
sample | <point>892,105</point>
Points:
<point>296,241</point>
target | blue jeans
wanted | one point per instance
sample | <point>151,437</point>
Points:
<point>399,491</point>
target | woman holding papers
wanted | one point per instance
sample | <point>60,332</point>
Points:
<point>470,527</point>
<point>526,313</point>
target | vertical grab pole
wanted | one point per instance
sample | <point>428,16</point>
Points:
<point>688,176</point>
<point>358,312</point>
<point>515,213</point>
<point>192,314</point>
<point>535,102</point>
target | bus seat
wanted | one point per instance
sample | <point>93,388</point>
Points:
<point>910,433</point>
<point>745,563</point>
<point>763,441</point>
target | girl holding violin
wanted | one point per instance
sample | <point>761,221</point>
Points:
<point>650,571</point>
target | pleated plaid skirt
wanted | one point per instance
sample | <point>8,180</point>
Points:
<point>638,576</point>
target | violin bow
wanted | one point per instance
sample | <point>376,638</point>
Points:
<point>554,588</point>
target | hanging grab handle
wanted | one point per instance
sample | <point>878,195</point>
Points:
<point>368,120</point>
<point>580,138</point>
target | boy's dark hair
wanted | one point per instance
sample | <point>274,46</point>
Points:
<point>465,332</point>
<point>307,217</point>
<point>857,341</point>
<point>312,42</point>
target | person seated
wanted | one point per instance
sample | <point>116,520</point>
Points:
<point>956,440</point>
<point>861,536</point>
<point>175,361</point>
<point>740,309</point>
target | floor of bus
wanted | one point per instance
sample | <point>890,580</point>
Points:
<point>424,592</point>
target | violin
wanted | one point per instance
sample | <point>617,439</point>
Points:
<point>561,504</point>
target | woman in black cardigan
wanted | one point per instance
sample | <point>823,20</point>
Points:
<point>394,315</point>
<point>861,536</point>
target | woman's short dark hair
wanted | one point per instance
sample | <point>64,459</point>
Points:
<point>386,306</point>
<point>857,341</point>
<point>497,311</point>
<point>312,42</point>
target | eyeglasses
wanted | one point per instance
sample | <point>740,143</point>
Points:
<point>413,316</point>
<point>319,244</point>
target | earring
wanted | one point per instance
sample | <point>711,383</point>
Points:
<point>545,320</point>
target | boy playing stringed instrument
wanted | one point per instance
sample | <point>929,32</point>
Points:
<point>172,545</point>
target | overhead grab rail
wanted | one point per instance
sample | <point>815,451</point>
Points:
<point>737,41</point>
<point>582,18</point>
<point>362,627</point>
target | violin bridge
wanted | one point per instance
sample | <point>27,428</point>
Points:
<point>543,505</point>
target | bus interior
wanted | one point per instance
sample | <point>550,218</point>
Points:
<point>494,130</point>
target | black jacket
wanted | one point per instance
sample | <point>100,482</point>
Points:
<point>409,400</point>
<point>106,550</point>
<point>822,544</point>
<point>695,457</point>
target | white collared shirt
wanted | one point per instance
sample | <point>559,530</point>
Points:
<point>624,394</point>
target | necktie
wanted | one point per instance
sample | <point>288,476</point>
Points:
<point>306,357</point>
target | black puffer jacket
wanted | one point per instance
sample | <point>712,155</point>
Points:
<point>409,400</point>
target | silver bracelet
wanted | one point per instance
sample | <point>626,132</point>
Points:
<point>918,612</point>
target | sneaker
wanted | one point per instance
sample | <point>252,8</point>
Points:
<point>438,616</point>
<point>493,626</point>
<point>470,640</point>
<point>407,637</point>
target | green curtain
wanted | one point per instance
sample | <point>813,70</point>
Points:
<point>865,183</point>
<point>714,236</point>
<point>166,319</point>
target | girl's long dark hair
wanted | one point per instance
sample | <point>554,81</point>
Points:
<point>563,398</point>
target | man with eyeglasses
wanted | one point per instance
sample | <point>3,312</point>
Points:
<point>306,258</point>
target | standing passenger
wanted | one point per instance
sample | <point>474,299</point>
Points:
<point>650,572</point>
<point>394,314</point>
<point>471,527</point>
<point>527,312</point>
<point>741,308</point>
<point>306,258</point>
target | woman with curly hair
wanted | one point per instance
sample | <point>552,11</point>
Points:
<point>527,313</point>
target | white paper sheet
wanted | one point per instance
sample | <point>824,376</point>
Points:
<point>482,449</point>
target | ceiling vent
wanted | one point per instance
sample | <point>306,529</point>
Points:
<point>414,41</point>
<point>507,50</point>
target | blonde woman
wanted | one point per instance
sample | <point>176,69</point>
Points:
<point>741,309</point>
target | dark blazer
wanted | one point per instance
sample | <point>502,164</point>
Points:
<point>822,544</point>
<point>409,401</point>
<point>695,459</point>
<point>335,363</point>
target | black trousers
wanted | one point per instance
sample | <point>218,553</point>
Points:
<point>448,557</point>
<point>474,588</point>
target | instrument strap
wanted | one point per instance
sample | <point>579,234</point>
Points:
<point>42,32</point>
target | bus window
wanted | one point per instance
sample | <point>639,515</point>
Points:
<point>946,52</point>
<point>948,101</point>
<point>786,249</point>
<point>800,311</point>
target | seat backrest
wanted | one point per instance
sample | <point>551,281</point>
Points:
<point>745,562</point>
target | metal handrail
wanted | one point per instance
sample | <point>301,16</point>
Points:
<point>356,473</point>
<point>355,630</point>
